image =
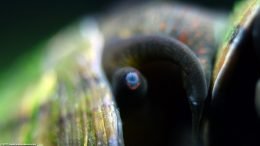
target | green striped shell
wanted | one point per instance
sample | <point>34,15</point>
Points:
<point>242,21</point>
<point>71,102</point>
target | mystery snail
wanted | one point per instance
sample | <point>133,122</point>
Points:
<point>152,74</point>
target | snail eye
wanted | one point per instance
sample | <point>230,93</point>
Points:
<point>133,80</point>
<point>129,88</point>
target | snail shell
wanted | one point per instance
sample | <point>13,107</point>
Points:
<point>232,114</point>
<point>229,52</point>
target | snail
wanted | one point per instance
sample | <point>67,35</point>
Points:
<point>140,75</point>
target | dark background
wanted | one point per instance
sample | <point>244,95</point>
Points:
<point>24,24</point>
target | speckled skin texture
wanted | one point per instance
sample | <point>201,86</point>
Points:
<point>191,26</point>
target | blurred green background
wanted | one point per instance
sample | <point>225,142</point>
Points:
<point>24,24</point>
